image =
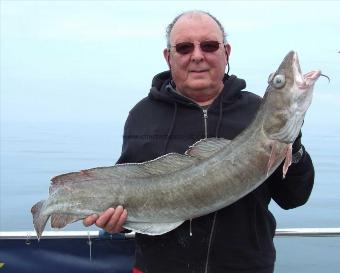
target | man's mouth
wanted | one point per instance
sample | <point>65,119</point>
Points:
<point>198,71</point>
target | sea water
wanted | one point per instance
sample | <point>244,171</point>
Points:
<point>32,153</point>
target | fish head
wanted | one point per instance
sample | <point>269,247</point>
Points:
<point>287,98</point>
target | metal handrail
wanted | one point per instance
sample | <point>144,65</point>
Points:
<point>307,232</point>
<point>280,232</point>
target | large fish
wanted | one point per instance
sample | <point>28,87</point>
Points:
<point>161,194</point>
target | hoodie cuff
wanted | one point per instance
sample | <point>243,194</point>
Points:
<point>298,155</point>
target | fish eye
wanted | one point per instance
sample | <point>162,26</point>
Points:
<point>279,81</point>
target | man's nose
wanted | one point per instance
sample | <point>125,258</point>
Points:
<point>197,54</point>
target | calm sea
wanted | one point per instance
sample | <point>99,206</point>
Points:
<point>32,153</point>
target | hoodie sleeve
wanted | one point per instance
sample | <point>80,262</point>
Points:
<point>132,139</point>
<point>126,155</point>
<point>295,189</point>
<point>140,142</point>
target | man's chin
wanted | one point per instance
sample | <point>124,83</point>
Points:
<point>199,86</point>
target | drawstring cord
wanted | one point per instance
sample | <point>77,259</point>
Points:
<point>212,231</point>
<point>256,239</point>
<point>171,128</point>
<point>218,126</point>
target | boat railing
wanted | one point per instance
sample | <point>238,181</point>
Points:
<point>280,232</point>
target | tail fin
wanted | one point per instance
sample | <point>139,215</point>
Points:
<point>39,220</point>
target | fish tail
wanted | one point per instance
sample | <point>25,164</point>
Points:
<point>39,219</point>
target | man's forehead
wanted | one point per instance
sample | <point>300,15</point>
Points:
<point>186,23</point>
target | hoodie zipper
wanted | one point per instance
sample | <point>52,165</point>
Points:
<point>205,119</point>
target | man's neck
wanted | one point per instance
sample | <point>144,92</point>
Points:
<point>204,103</point>
<point>201,100</point>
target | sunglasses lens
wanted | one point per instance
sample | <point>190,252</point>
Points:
<point>210,46</point>
<point>206,46</point>
<point>185,48</point>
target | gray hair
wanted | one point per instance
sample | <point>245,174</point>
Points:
<point>171,25</point>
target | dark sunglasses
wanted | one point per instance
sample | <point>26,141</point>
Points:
<point>188,47</point>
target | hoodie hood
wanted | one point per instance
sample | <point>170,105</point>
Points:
<point>160,90</point>
<point>230,97</point>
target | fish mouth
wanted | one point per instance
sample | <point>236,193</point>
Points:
<point>307,80</point>
<point>311,77</point>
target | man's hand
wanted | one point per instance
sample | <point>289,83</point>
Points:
<point>111,220</point>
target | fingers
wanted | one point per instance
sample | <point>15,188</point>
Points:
<point>90,220</point>
<point>121,221</point>
<point>111,220</point>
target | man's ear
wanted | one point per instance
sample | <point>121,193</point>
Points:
<point>227,48</point>
<point>166,54</point>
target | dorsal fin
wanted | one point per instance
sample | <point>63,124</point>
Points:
<point>165,164</point>
<point>63,179</point>
<point>205,148</point>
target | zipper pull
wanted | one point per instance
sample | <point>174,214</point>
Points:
<point>205,118</point>
<point>190,228</point>
<point>205,113</point>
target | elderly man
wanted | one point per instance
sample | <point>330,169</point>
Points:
<point>194,100</point>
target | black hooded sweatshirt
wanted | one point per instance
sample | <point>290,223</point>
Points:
<point>237,238</point>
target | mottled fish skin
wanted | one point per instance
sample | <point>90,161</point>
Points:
<point>161,194</point>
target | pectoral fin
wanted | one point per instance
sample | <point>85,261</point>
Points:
<point>288,160</point>
<point>275,154</point>
<point>272,158</point>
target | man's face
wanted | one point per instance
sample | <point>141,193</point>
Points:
<point>197,74</point>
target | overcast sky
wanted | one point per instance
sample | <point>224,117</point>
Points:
<point>93,60</point>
